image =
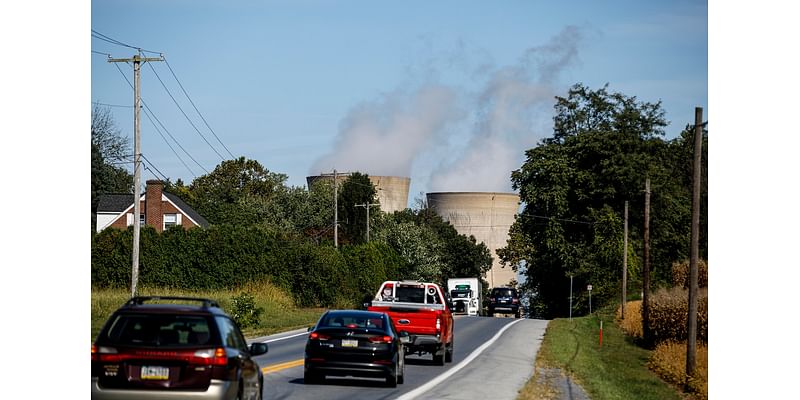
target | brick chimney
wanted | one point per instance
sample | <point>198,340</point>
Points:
<point>152,203</point>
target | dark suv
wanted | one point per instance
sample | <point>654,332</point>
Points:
<point>504,301</point>
<point>176,350</point>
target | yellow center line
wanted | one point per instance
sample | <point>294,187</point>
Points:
<point>279,367</point>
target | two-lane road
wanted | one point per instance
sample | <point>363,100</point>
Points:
<point>483,362</point>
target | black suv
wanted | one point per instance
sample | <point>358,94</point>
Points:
<point>157,350</point>
<point>504,301</point>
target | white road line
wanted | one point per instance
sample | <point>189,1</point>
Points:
<point>285,337</point>
<point>428,386</point>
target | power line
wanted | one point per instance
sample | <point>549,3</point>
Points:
<point>147,108</point>
<point>98,35</point>
<point>195,108</point>
<point>110,105</point>
<point>147,114</point>
<point>184,114</point>
<point>104,54</point>
<point>154,167</point>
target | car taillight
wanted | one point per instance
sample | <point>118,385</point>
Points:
<point>216,356</point>
<point>491,300</point>
<point>210,357</point>
<point>318,336</point>
<point>515,301</point>
<point>105,354</point>
<point>380,339</point>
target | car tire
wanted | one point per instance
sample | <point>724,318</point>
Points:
<point>402,376</point>
<point>391,379</point>
<point>311,378</point>
<point>439,359</point>
<point>448,354</point>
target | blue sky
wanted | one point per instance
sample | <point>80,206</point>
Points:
<point>450,93</point>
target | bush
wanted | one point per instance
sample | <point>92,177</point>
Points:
<point>669,309</point>
<point>245,312</point>
<point>680,274</point>
<point>668,360</point>
<point>632,323</point>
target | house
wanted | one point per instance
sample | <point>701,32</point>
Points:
<point>158,208</point>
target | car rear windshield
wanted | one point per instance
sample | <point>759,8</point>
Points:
<point>159,330</point>
<point>352,321</point>
<point>504,292</point>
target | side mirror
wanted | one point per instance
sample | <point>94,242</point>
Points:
<point>309,329</point>
<point>405,338</point>
<point>257,349</point>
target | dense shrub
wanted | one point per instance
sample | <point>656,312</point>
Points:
<point>680,274</point>
<point>669,310</point>
<point>668,360</point>
<point>229,256</point>
<point>245,312</point>
<point>632,323</point>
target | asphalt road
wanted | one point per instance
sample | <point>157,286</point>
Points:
<point>493,358</point>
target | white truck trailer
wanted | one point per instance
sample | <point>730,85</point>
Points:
<point>466,295</point>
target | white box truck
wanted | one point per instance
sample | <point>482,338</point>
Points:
<point>466,295</point>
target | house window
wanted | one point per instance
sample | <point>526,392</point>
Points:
<point>170,220</point>
<point>142,220</point>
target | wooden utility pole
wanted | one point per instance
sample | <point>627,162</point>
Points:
<point>625,264</point>
<point>646,272</point>
<point>367,206</point>
<point>335,212</point>
<point>137,174</point>
<point>691,323</point>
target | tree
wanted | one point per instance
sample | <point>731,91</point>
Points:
<point>220,195</point>
<point>108,147</point>
<point>574,185</point>
<point>356,190</point>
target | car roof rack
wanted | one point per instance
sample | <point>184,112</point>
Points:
<point>139,300</point>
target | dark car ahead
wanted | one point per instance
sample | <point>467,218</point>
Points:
<point>152,350</point>
<point>504,301</point>
<point>355,343</point>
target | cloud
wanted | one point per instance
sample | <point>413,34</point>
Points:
<point>467,140</point>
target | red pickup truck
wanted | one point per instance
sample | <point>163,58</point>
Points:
<point>421,309</point>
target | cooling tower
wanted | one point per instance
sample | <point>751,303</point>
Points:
<point>486,215</point>
<point>392,191</point>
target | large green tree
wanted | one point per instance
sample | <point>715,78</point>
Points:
<point>355,193</point>
<point>234,192</point>
<point>574,186</point>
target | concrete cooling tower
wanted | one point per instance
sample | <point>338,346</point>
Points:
<point>392,191</point>
<point>486,215</point>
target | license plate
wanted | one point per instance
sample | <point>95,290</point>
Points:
<point>154,373</point>
<point>349,343</point>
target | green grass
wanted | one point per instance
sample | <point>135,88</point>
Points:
<point>617,370</point>
<point>279,314</point>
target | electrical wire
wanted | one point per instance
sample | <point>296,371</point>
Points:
<point>104,54</point>
<point>184,113</point>
<point>147,108</point>
<point>154,167</point>
<point>98,35</point>
<point>195,108</point>
<point>110,105</point>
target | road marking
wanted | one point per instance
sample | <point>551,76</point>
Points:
<point>280,367</point>
<point>475,353</point>
<point>285,337</point>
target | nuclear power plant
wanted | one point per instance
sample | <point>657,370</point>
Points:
<point>486,215</point>
<point>392,191</point>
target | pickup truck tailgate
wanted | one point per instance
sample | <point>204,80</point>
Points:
<point>414,320</point>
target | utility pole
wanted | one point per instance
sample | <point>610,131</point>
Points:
<point>625,264</point>
<point>570,297</point>
<point>646,272</point>
<point>137,174</point>
<point>691,323</point>
<point>367,206</point>
<point>335,212</point>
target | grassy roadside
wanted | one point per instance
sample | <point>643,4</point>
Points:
<point>617,370</point>
<point>279,314</point>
